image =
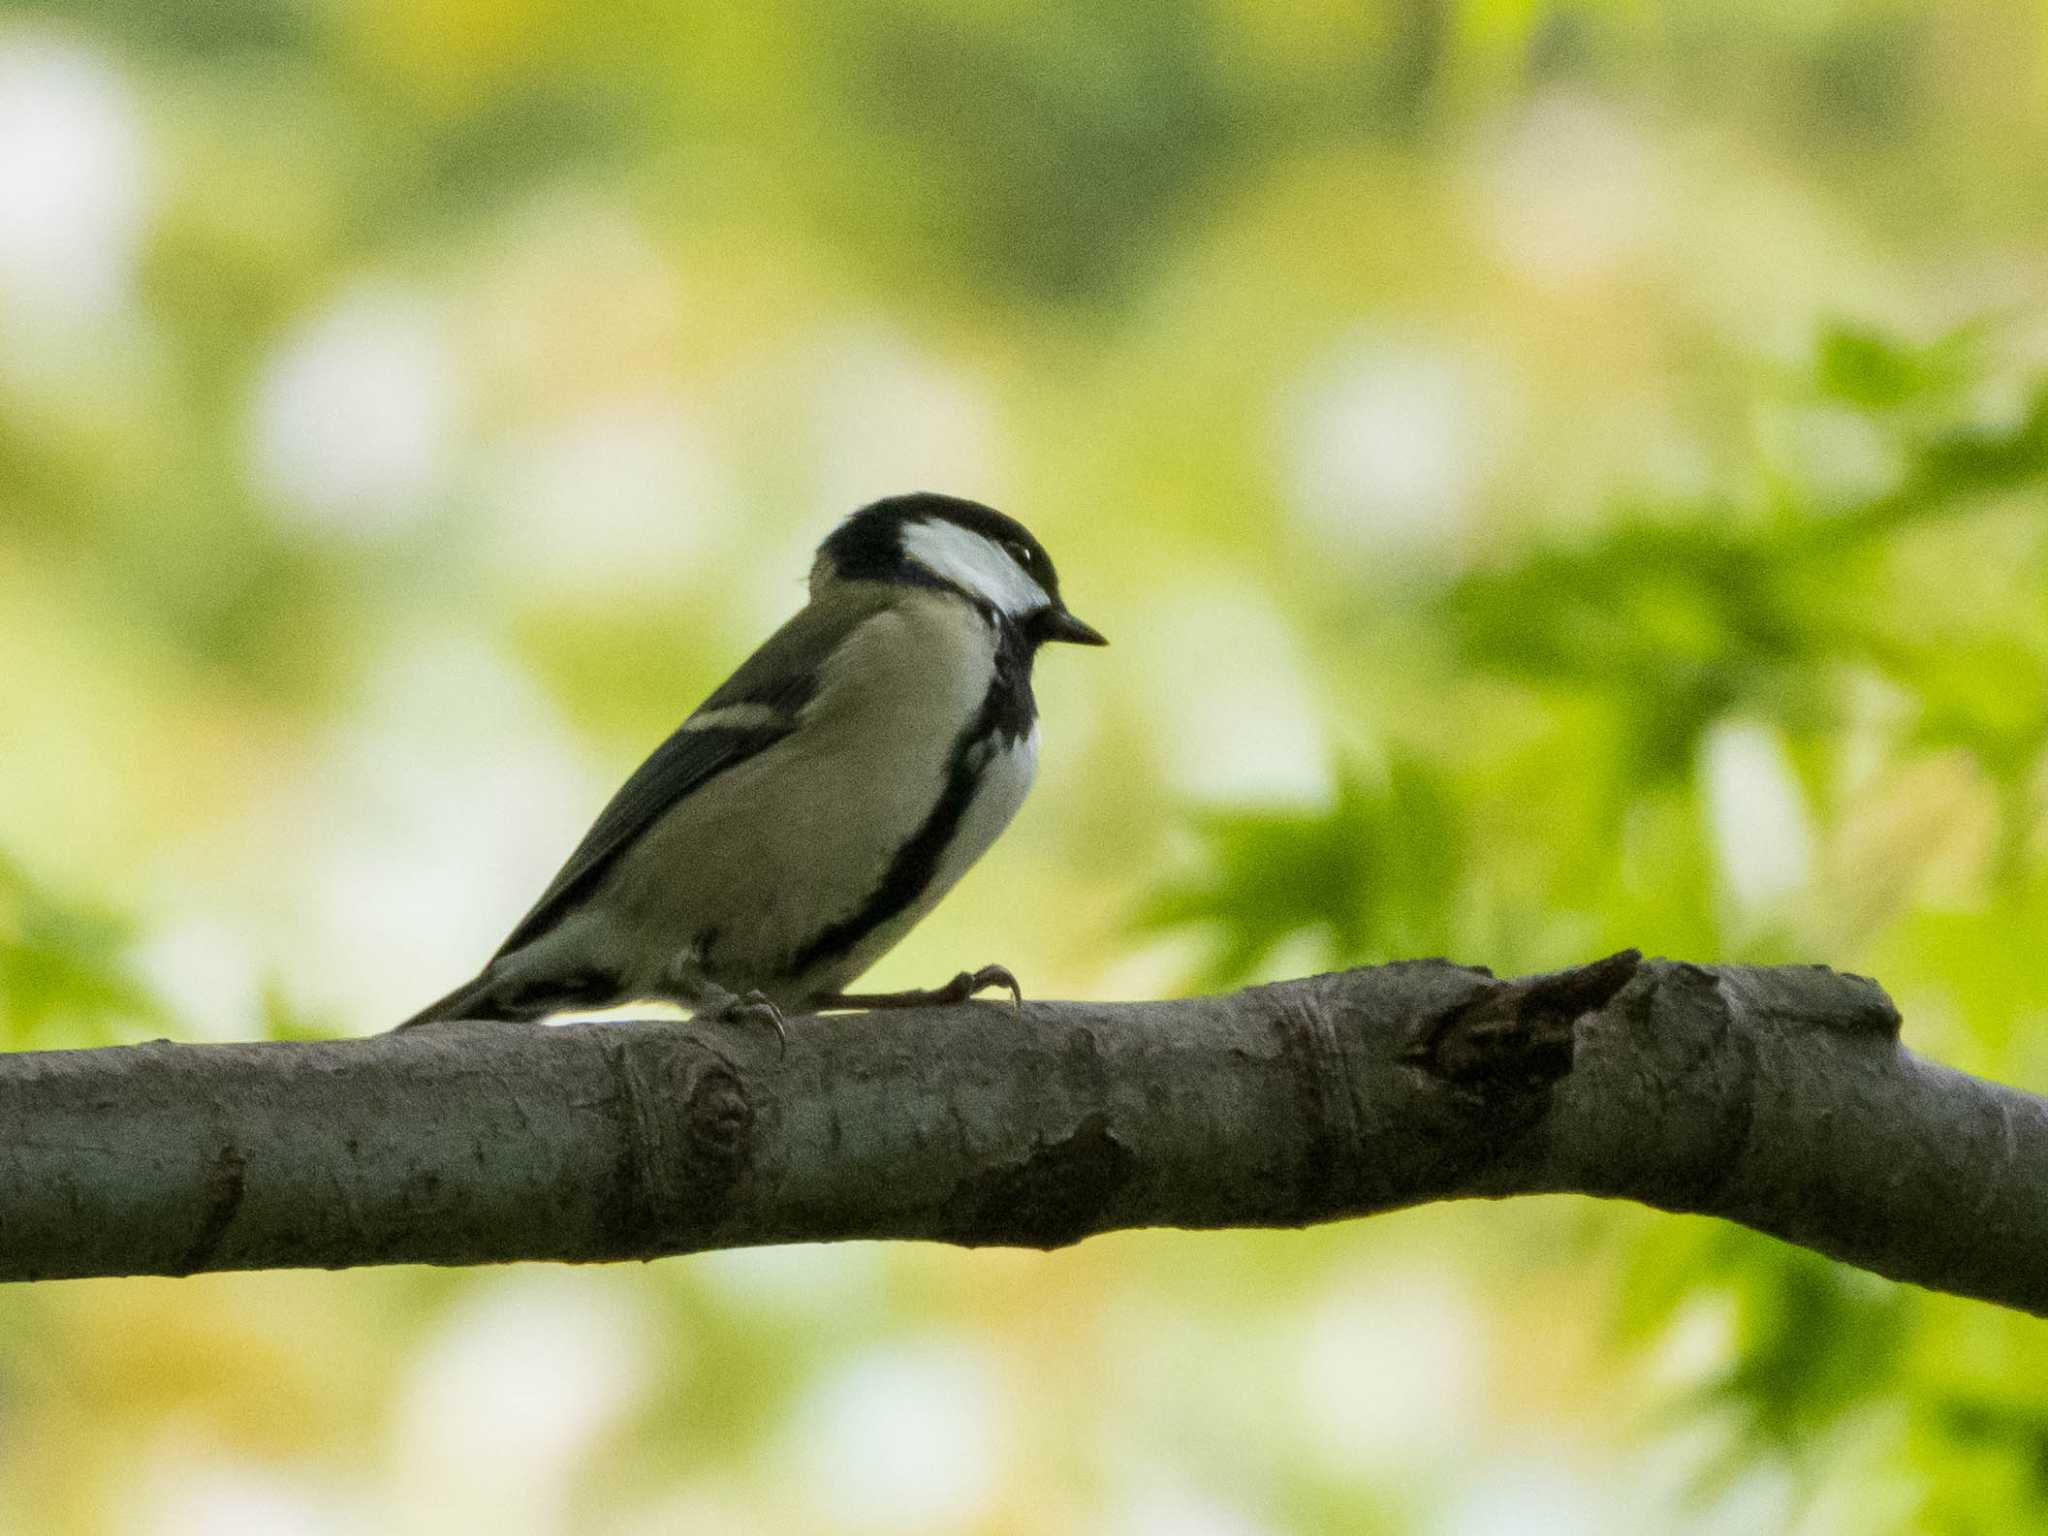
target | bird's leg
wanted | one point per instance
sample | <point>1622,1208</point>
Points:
<point>958,990</point>
<point>715,1003</point>
<point>706,999</point>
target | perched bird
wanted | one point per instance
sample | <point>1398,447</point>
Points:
<point>820,803</point>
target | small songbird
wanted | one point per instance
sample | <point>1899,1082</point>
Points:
<point>820,803</point>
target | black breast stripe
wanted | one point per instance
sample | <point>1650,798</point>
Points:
<point>1006,713</point>
<point>1009,708</point>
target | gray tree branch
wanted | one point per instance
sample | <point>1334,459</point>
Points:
<point>1780,1098</point>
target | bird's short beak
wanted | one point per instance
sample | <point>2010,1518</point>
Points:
<point>1058,624</point>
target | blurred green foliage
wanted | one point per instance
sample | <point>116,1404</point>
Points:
<point>1645,636</point>
<point>1374,875</point>
<point>65,977</point>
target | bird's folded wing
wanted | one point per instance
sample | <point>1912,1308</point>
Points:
<point>756,707</point>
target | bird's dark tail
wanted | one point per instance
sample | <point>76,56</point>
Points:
<point>510,990</point>
<point>471,1000</point>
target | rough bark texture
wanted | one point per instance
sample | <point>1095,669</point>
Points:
<point>1779,1098</point>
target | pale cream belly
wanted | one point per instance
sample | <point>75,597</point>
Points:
<point>750,869</point>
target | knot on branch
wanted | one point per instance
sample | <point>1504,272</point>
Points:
<point>716,1119</point>
<point>684,1132</point>
<point>1518,1033</point>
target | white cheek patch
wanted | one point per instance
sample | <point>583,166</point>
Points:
<point>975,564</point>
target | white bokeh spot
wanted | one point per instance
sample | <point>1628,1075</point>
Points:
<point>1253,729</point>
<point>1515,1498</point>
<point>625,493</point>
<point>1756,817</point>
<point>207,968</point>
<point>904,1438</point>
<point>419,830</point>
<point>351,423</point>
<point>73,184</point>
<point>1158,1505</point>
<point>187,1487</point>
<point>889,417</point>
<point>1570,190</point>
<point>506,1400</point>
<point>795,1282</point>
<point>1390,1372</point>
<point>1388,445</point>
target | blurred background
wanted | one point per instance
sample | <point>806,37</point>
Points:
<point>1556,476</point>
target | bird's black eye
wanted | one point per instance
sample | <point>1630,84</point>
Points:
<point>1019,552</point>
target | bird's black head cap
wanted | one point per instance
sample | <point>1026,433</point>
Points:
<point>950,543</point>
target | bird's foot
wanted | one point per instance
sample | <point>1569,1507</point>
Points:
<point>958,990</point>
<point>722,1007</point>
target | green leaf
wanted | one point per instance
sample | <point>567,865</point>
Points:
<point>65,975</point>
<point>1371,876</point>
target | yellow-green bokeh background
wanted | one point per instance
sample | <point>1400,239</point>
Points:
<point>1556,476</point>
